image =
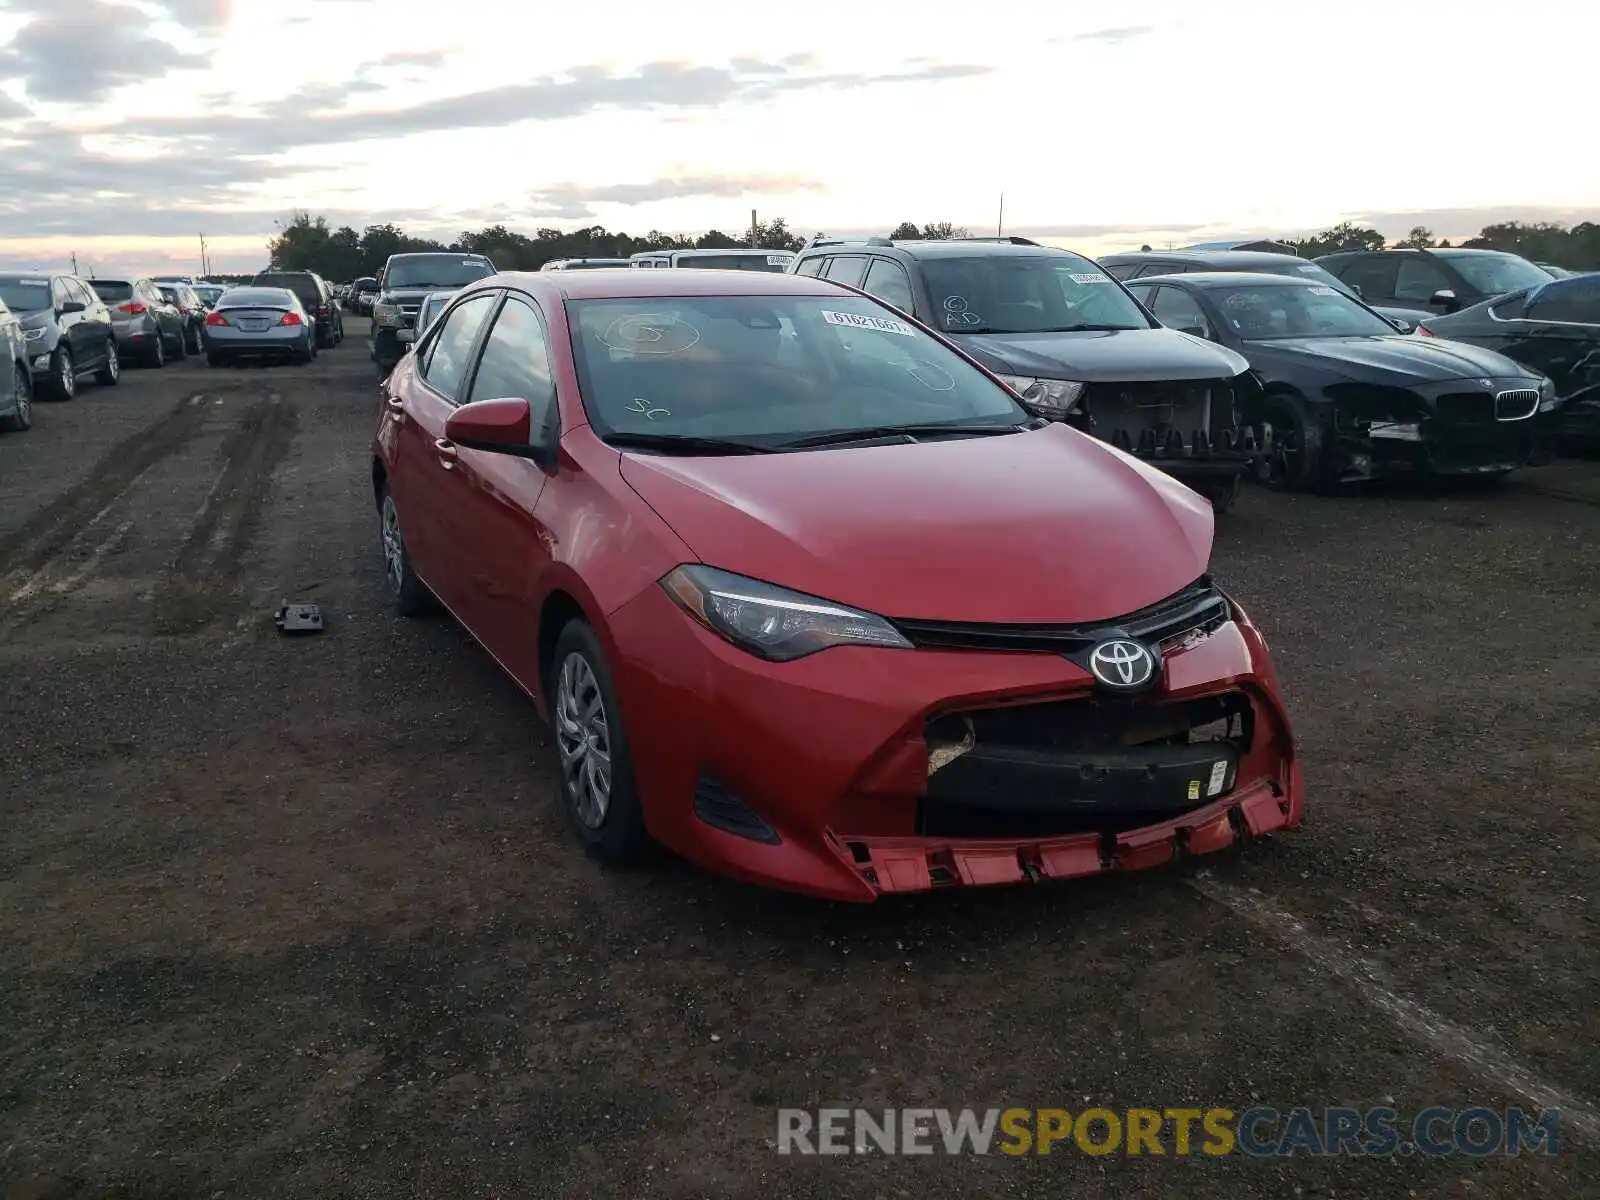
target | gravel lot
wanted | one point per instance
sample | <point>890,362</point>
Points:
<point>299,917</point>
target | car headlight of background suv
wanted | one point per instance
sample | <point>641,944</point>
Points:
<point>1548,401</point>
<point>1047,397</point>
<point>384,313</point>
<point>772,622</point>
<point>34,335</point>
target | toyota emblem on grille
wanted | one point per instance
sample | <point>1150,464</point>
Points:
<point>1122,666</point>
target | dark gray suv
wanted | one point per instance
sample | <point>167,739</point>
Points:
<point>404,285</point>
<point>67,329</point>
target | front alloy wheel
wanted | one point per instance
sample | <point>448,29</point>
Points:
<point>583,737</point>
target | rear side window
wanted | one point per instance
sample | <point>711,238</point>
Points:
<point>516,361</point>
<point>1575,300</point>
<point>447,355</point>
<point>1120,270</point>
<point>810,266</point>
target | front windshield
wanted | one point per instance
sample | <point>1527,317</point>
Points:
<point>770,369</point>
<point>1496,274</point>
<point>25,294</point>
<point>1007,293</point>
<point>777,263</point>
<point>1262,312</point>
<point>436,270</point>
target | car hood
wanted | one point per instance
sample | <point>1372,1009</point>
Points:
<point>1396,359</point>
<point>1119,356</point>
<point>35,318</point>
<point>1045,526</point>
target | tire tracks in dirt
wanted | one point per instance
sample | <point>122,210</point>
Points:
<point>65,546</point>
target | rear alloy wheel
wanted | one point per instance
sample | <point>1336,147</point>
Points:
<point>109,374</point>
<point>597,787</point>
<point>63,374</point>
<point>21,418</point>
<point>410,595</point>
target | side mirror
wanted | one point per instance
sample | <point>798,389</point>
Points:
<point>73,306</point>
<point>501,426</point>
<point>1356,288</point>
<point>1402,325</point>
<point>1445,299</point>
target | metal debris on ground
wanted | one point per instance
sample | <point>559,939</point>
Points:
<point>299,618</point>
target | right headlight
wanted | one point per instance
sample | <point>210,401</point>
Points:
<point>384,313</point>
<point>772,622</point>
<point>1045,397</point>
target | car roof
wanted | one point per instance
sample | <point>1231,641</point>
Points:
<point>1210,279</point>
<point>936,248</point>
<point>619,283</point>
<point>1240,257</point>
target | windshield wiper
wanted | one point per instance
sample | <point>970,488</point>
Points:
<point>683,443</point>
<point>842,436</point>
<point>1088,328</point>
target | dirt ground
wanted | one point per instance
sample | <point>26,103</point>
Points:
<point>299,917</point>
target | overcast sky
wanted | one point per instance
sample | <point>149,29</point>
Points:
<point>127,127</point>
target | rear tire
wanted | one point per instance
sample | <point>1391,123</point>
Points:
<point>410,596</point>
<point>111,373</point>
<point>21,420</point>
<point>597,784</point>
<point>156,356</point>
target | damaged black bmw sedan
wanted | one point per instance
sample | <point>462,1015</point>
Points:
<point>1344,396</point>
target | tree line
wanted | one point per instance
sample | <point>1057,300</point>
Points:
<point>307,243</point>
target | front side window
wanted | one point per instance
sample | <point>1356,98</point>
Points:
<point>1495,274</point>
<point>1418,280</point>
<point>1178,310</point>
<point>1007,293</point>
<point>1263,312</point>
<point>436,271</point>
<point>809,266</point>
<point>516,361</point>
<point>447,356</point>
<point>770,369</point>
<point>887,280</point>
<point>1374,274</point>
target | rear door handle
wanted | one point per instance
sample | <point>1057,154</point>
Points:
<point>447,453</point>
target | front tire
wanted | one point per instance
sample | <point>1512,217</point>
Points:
<point>63,375</point>
<point>410,596</point>
<point>1222,495</point>
<point>597,785</point>
<point>193,345</point>
<point>1291,450</point>
<point>180,346</point>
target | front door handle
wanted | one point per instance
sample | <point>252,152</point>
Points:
<point>447,453</point>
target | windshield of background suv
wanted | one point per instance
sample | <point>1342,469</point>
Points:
<point>436,270</point>
<point>770,369</point>
<point>1496,274</point>
<point>25,293</point>
<point>1262,312</point>
<point>736,262</point>
<point>1013,293</point>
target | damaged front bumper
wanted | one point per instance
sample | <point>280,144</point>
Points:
<point>1192,430</point>
<point>985,756</point>
<point>1454,429</point>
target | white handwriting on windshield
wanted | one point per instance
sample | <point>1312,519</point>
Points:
<point>640,405</point>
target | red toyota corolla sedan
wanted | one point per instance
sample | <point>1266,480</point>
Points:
<point>811,599</point>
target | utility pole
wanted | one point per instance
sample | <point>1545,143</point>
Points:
<point>205,267</point>
<point>74,262</point>
<point>755,238</point>
<point>1000,223</point>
